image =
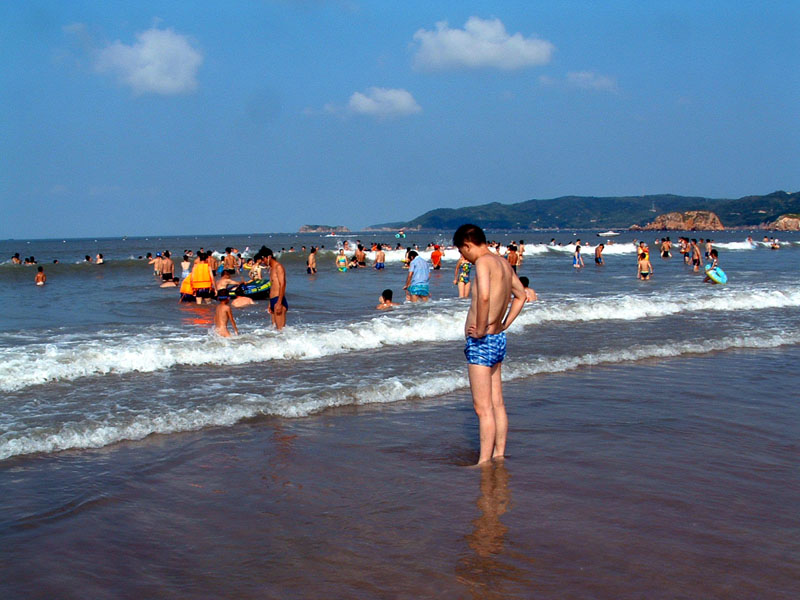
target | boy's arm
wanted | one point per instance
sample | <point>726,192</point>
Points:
<point>233,321</point>
<point>282,282</point>
<point>408,279</point>
<point>517,302</point>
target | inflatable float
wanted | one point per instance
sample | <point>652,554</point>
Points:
<point>716,274</point>
<point>257,290</point>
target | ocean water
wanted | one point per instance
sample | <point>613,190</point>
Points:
<point>667,388</point>
<point>101,354</point>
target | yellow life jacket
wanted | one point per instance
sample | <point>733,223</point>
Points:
<point>201,276</point>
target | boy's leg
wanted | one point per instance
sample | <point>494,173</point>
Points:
<point>499,412</point>
<point>480,383</point>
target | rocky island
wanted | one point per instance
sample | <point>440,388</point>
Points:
<point>691,220</point>
<point>784,223</point>
<point>323,229</point>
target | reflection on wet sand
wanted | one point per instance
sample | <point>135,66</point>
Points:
<point>483,571</point>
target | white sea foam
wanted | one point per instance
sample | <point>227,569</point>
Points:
<point>94,433</point>
<point>745,245</point>
<point>71,358</point>
<point>618,248</point>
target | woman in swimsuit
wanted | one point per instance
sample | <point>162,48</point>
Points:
<point>341,261</point>
<point>463,270</point>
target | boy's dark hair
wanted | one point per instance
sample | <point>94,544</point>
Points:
<point>714,253</point>
<point>469,233</point>
<point>41,269</point>
<point>524,281</point>
<point>228,250</point>
<point>265,252</point>
<point>412,254</point>
<point>387,295</point>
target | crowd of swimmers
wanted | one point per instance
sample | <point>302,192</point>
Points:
<point>692,250</point>
<point>204,278</point>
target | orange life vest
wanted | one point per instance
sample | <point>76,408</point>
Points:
<point>186,286</point>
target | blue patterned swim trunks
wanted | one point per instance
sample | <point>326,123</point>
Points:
<point>487,351</point>
<point>419,289</point>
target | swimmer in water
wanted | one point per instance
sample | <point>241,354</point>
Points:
<point>714,256</point>
<point>463,270</point>
<point>40,278</point>
<point>341,261</point>
<point>598,254</point>
<point>577,259</point>
<point>530,293</point>
<point>643,267</point>
<point>385,301</point>
<point>224,315</point>
<point>380,259</point>
<point>171,283</point>
<point>311,262</point>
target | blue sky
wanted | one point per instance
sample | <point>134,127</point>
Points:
<point>158,118</point>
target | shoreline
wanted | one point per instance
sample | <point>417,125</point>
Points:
<point>607,492</point>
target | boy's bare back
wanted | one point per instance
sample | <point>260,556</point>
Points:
<point>222,316</point>
<point>494,283</point>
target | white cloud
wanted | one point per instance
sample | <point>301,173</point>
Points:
<point>383,102</point>
<point>592,81</point>
<point>482,43</point>
<point>159,62</point>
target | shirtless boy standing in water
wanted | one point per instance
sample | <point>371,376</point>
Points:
<point>224,315</point>
<point>277,289</point>
<point>488,317</point>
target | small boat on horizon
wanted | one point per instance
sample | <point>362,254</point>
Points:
<point>608,234</point>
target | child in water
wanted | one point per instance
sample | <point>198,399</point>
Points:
<point>577,259</point>
<point>385,300</point>
<point>223,315</point>
<point>714,256</point>
<point>644,269</point>
<point>530,294</point>
<point>41,278</point>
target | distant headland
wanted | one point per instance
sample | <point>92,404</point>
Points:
<point>778,210</point>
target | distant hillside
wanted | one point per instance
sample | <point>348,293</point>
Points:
<point>581,212</point>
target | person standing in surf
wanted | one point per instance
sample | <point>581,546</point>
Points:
<point>495,286</point>
<point>277,289</point>
<point>577,259</point>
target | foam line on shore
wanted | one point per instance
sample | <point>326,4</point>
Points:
<point>96,433</point>
<point>116,353</point>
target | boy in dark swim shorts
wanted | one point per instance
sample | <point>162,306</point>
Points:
<point>274,301</point>
<point>494,286</point>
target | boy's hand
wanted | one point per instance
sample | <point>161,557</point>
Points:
<point>473,332</point>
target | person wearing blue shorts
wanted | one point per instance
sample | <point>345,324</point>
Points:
<point>419,275</point>
<point>495,285</point>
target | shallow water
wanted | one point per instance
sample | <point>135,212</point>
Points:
<point>653,449</point>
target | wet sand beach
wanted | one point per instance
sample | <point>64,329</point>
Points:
<point>612,489</point>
